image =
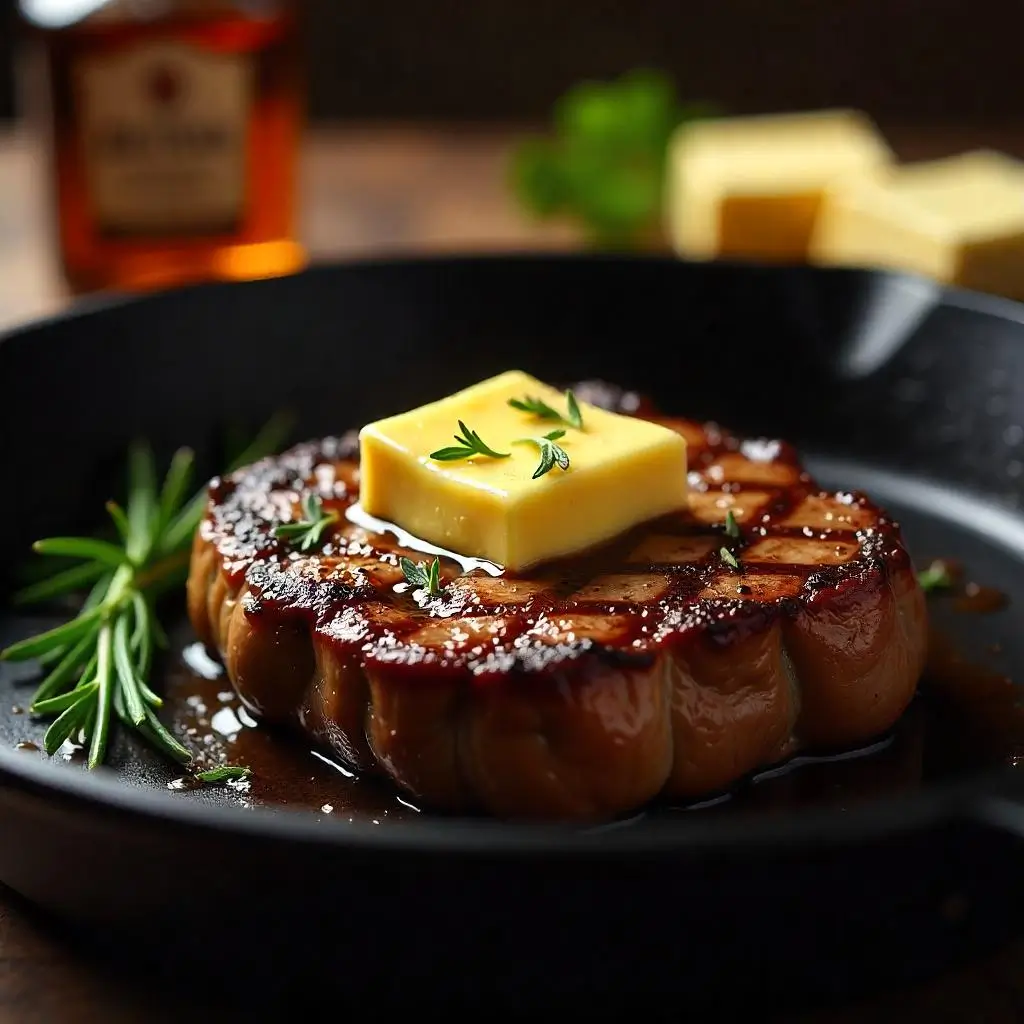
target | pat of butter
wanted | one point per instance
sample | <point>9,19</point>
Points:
<point>959,220</point>
<point>622,471</point>
<point>750,187</point>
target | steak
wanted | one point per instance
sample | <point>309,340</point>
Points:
<point>656,666</point>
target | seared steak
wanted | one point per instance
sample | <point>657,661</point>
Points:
<point>652,666</point>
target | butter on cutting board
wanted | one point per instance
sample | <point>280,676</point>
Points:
<point>621,471</point>
<point>959,220</point>
<point>750,187</point>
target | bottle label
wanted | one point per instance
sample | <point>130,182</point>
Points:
<point>164,129</point>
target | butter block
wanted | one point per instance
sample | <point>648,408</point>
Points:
<point>622,471</point>
<point>959,220</point>
<point>751,187</point>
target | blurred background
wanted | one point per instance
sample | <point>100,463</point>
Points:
<point>416,111</point>
<point>901,60</point>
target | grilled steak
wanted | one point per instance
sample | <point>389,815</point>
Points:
<point>652,666</point>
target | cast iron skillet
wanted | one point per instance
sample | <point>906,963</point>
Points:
<point>887,383</point>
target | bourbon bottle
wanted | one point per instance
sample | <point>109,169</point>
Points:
<point>174,129</point>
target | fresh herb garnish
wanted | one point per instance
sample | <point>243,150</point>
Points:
<point>936,577</point>
<point>98,663</point>
<point>728,558</point>
<point>551,454</point>
<point>603,164</point>
<point>732,528</point>
<point>468,445</point>
<point>538,407</point>
<point>224,773</point>
<point>422,575</point>
<point>306,532</point>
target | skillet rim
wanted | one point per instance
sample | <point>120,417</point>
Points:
<point>983,798</point>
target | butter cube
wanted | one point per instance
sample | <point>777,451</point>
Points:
<point>959,220</point>
<point>750,187</point>
<point>622,471</point>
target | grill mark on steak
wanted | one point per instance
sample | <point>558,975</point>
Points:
<point>776,647</point>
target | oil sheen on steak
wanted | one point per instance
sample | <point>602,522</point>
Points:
<point>650,667</point>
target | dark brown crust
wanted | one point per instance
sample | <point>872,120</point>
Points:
<point>648,667</point>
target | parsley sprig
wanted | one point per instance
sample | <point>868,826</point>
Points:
<point>538,407</point>
<point>428,577</point>
<point>467,445</point>
<point>603,163</point>
<point>551,454</point>
<point>307,531</point>
<point>98,663</point>
<point>732,528</point>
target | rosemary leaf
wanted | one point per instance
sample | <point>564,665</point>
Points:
<point>126,674</point>
<point>59,677</point>
<point>176,481</point>
<point>65,582</point>
<point>67,633</point>
<point>100,730</point>
<point>81,547</point>
<point>56,705</point>
<point>224,773</point>
<point>120,520</point>
<point>153,729</point>
<point>70,722</point>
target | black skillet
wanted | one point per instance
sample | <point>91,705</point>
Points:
<point>887,383</point>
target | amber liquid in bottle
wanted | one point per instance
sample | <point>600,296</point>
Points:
<point>174,135</point>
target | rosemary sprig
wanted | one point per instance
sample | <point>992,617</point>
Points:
<point>538,407</point>
<point>98,663</point>
<point>936,577</point>
<point>306,532</point>
<point>224,773</point>
<point>728,558</point>
<point>551,454</point>
<point>467,445</point>
<point>732,528</point>
<point>422,575</point>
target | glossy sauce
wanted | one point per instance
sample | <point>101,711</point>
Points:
<point>967,717</point>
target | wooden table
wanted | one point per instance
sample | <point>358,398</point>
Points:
<point>385,190</point>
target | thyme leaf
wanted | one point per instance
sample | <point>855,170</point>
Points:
<point>551,454</point>
<point>539,408</point>
<point>427,577</point>
<point>728,558</point>
<point>467,445</point>
<point>307,531</point>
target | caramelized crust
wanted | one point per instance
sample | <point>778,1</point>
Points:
<point>650,667</point>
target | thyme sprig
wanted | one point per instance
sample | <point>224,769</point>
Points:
<point>98,663</point>
<point>467,445</point>
<point>551,454</point>
<point>538,407</point>
<point>428,577</point>
<point>307,531</point>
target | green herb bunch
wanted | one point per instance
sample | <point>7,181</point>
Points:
<point>604,164</point>
<point>98,663</point>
